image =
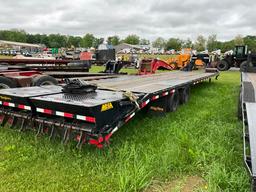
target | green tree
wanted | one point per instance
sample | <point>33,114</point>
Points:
<point>187,43</point>
<point>97,42</point>
<point>73,41</point>
<point>132,39</point>
<point>200,43</point>
<point>173,43</point>
<point>57,40</point>
<point>159,43</point>
<point>13,35</point>
<point>44,39</point>
<point>212,43</point>
<point>88,40</point>
<point>250,41</point>
<point>239,40</point>
<point>113,40</point>
<point>144,42</point>
<point>227,45</point>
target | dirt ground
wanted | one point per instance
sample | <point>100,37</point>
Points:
<point>187,184</point>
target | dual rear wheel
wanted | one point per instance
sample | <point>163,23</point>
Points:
<point>180,96</point>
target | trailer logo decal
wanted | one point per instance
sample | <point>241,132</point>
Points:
<point>106,106</point>
<point>5,98</point>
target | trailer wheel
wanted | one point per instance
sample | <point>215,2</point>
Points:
<point>40,80</point>
<point>223,65</point>
<point>6,83</point>
<point>243,66</point>
<point>239,107</point>
<point>184,95</point>
<point>173,102</point>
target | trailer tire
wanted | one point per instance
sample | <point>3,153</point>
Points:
<point>173,102</point>
<point>6,83</point>
<point>40,80</point>
<point>223,65</point>
<point>184,95</point>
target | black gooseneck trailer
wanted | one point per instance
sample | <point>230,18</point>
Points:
<point>92,117</point>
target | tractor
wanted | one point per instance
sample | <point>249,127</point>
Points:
<point>249,65</point>
<point>235,59</point>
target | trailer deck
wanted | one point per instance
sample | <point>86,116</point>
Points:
<point>93,117</point>
<point>248,104</point>
<point>155,82</point>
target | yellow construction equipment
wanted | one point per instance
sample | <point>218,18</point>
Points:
<point>185,57</point>
<point>181,60</point>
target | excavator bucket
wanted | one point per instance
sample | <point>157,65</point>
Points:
<point>151,66</point>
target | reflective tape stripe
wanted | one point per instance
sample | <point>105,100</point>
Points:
<point>165,93</point>
<point>132,115</point>
<point>90,119</point>
<point>69,115</point>
<point>8,104</point>
<point>24,107</point>
<point>27,107</point>
<point>129,117</point>
<point>63,114</point>
<point>40,110</point>
<point>155,97</point>
<point>143,104</point>
<point>114,130</point>
<point>60,113</point>
<point>48,111</point>
<point>86,118</point>
<point>80,117</point>
<point>20,106</point>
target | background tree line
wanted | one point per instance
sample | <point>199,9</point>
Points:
<point>89,40</point>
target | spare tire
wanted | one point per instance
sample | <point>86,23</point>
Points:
<point>223,65</point>
<point>6,83</point>
<point>40,80</point>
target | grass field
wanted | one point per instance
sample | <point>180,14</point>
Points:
<point>5,57</point>
<point>200,143</point>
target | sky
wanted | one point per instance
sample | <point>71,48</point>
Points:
<point>146,18</point>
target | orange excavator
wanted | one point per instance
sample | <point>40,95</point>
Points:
<point>185,57</point>
<point>181,60</point>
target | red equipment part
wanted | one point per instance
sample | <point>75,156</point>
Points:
<point>87,56</point>
<point>15,73</point>
<point>151,66</point>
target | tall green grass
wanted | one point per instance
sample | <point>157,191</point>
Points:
<point>202,138</point>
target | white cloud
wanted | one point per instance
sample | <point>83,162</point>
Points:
<point>146,18</point>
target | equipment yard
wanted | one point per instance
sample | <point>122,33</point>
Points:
<point>127,96</point>
<point>190,149</point>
